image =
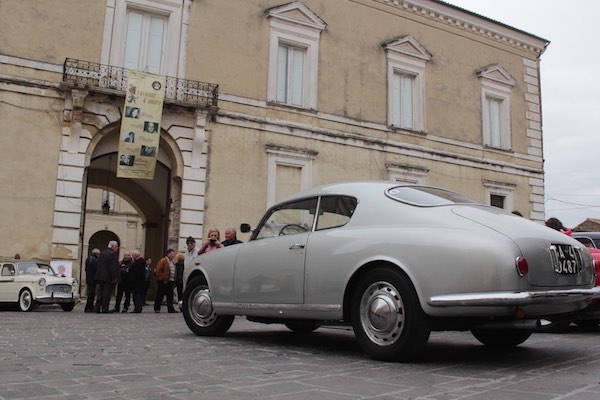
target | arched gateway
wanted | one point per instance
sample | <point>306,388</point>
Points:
<point>170,206</point>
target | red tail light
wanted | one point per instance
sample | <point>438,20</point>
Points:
<point>522,267</point>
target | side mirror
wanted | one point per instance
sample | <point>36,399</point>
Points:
<point>245,228</point>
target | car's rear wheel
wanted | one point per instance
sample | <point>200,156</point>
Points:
<point>26,302</point>
<point>387,318</point>
<point>198,311</point>
<point>301,327</point>
<point>501,337</point>
<point>67,306</point>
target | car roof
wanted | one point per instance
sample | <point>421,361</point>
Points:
<point>352,188</point>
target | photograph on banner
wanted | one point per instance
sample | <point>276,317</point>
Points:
<point>140,126</point>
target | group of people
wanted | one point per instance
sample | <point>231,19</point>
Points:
<point>132,275</point>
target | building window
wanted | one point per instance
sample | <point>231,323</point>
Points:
<point>289,171</point>
<point>403,100</point>
<point>497,200</point>
<point>145,41</point>
<point>499,194</point>
<point>406,61</point>
<point>496,87</point>
<point>146,35</point>
<point>295,32</point>
<point>290,75</point>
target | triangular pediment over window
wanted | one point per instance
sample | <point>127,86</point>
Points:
<point>296,13</point>
<point>407,45</point>
<point>496,73</point>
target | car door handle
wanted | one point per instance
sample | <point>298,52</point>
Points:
<point>297,246</point>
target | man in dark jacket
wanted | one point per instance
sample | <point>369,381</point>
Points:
<point>123,284</point>
<point>137,280</point>
<point>106,276</point>
<point>91,265</point>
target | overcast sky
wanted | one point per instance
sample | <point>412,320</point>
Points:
<point>570,96</point>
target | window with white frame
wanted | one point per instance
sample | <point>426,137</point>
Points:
<point>295,32</point>
<point>499,194</point>
<point>288,171</point>
<point>290,75</point>
<point>144,44</point>
<point>406,62</point>
<point>147,35</point>
<point>496,87</point>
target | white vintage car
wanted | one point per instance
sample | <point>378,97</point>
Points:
<point>29,283</point>
<point>395,262</point>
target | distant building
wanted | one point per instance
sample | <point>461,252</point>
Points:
<point>589,225</point>
<point>264,98</point>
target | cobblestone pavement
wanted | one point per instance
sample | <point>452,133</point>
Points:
<point>51,354</point>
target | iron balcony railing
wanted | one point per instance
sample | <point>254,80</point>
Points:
<point>93,75</point>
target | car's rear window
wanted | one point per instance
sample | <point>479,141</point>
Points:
<point>426,196</point>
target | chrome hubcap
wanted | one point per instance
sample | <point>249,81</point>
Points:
<point>382,313</point>
<point>200,307</point>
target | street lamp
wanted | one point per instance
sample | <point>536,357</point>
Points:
<point>106,204</point>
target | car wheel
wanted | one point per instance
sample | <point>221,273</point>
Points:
<point>301,327</point>
<point>198,311</point>
<point>67,306</point>
<point>501,337</point>
<point>387,318</point>
<point>26,302</point>
<point>588,323</point>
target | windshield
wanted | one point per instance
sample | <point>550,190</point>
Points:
<point>426,196</point>
<point>33,268</point>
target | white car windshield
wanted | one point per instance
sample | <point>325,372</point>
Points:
<point>33,268</point>
<point>426,196</point>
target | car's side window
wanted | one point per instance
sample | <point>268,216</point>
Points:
<point>289,218</point>
<point>8,270</point>
<point>586,241</point>
<point>335,211</point>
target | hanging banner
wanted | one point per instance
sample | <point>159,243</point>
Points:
<point>140,125</point>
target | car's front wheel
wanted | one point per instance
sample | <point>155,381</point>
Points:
<point>26,302</point>
<point>198,311</point>
<point>387,318</point>
<point>501,337</point>
<point>67,306</point>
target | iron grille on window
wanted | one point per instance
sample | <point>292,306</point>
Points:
<point>93,75</point>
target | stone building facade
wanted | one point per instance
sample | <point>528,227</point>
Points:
<point>269,97</point>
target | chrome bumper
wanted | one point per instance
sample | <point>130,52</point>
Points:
<point>515,298</point>
<point>58,298</point>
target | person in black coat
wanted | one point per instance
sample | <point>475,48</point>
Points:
<point>106,276</point>
<point>137,280</point>
<point>91,265</point>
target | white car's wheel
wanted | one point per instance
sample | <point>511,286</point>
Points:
<point>26,302</point>
<point>67,306</point>
<point>198,311</point>
<point>387,318</point>
<point>501,337</point>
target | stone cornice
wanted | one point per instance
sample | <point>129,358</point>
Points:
<point>471,22</point>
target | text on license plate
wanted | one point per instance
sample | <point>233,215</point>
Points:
<point>566,259</point>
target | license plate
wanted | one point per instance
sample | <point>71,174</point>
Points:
<point>566,259</point>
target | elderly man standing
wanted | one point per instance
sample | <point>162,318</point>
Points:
<point>230,237</point>
<point>106,276</point>
<point>165,278</point>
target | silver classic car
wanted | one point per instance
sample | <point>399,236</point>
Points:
<point>395,262</point>
<point>28,283</point>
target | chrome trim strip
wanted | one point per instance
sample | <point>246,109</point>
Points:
<point>279,307</point>
<point>514,298</point>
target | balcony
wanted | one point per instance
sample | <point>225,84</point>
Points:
<point>108,78</point>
